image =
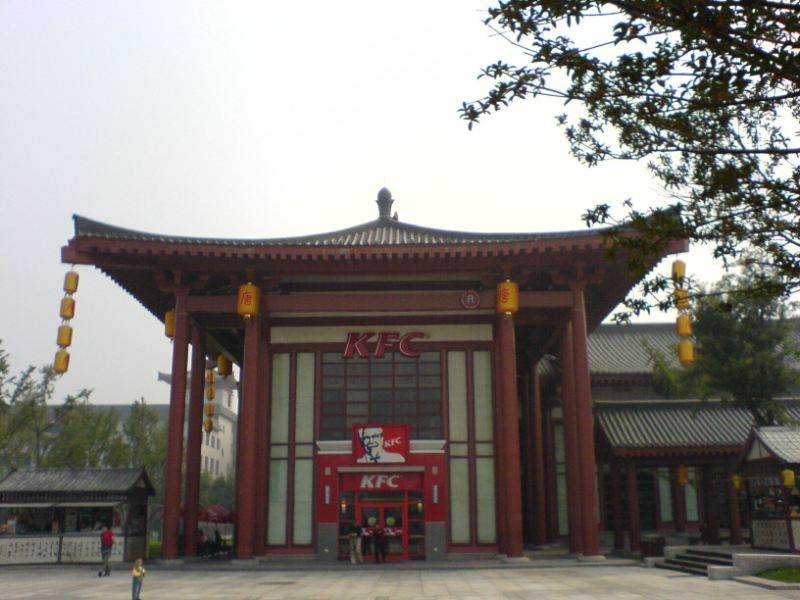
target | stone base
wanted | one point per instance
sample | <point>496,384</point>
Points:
<point>169,562</point>
<point>593,558</point>
<point>244,562</point>
<point>515,559</point>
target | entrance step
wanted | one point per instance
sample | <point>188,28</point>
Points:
<point>696,561</point>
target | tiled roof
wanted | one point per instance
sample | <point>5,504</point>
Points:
<point>782,442</point>
<point>677,424</point>
<point>381,232</point>
<point>74,480</point>
<point>620,349</point>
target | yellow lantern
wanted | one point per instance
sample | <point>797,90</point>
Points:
<point>249,300</point>
<point>684,326</point>
<point>64,336</point>
<point>686,352</point>
<point>169,324</point>
<point>67,308</point>
<point>210,393</point>
<point>683,476</point>
<point>224,365</point>
<point>738,482</point>
<point>680,298</point>
<point>788,477</point>
<point>209,410</point>
<point>62,362</point>
<point>211,377</point>
<point>507,297</point>
<point>208,425</point>
<point>71,282</point>
<point>678,270</point>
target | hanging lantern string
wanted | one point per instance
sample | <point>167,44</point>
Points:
<point>67,312</point>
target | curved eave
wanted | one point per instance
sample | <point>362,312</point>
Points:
<point>379,233</point>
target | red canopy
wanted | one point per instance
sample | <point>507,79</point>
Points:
<point>215,513</point>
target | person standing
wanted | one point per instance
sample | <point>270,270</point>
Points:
<point>106,544</point>
<point>355,532</point>
<point>138,578</point>
<point>379,542</point>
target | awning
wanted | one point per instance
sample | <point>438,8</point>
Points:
<point>89,504</point>
<point>26,504</point>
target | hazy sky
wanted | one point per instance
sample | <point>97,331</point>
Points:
<point>254,120</point>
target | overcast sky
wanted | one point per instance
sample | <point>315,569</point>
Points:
<point>253,120</point>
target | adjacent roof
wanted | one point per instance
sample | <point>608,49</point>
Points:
<point>76,480</point>
<point>618,350</point>
<point>636,426</point>
<point>783,443</point>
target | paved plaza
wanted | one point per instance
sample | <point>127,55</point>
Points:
<point>373,582</point>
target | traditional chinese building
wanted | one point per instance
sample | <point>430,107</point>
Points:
<point>381,369</point>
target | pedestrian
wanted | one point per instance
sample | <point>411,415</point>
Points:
<point>106,544</point>
<point>379,542</point>
<point>355,532</point>
<point>138,578</point>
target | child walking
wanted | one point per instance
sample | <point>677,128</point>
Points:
<point>138,577</point>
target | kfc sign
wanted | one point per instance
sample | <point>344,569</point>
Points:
<point>381,482</point>
<point>380,444</point>
<point>357,343</point>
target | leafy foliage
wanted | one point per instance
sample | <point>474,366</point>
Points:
<point>88,438</point>
<point>34,432</point>
<point>747,352</point>
<point>147,442</point>
<point>703,90</point>
<point>29,426</point>
<point>217,490</point>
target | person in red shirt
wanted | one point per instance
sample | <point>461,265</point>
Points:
<point>106,544</point>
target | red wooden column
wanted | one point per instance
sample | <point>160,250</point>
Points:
<point>177,403</point>
<point>528,484</point>
<point>262,465</point>
<point>619,513</point>
<point>571,454</point>
<point>634,521</point>
<point>733,510</point>
<point>194,440</point>
<point>247,482</point>
<point>540,503</point>
<point>678,501</point>
<point>712,508</point>
<point>583,398</point>
<point>500,436</point>
<point>550,477</point>
<point>512,503</point>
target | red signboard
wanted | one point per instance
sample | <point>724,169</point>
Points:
<point>380,444</point>
<point>381,482</point>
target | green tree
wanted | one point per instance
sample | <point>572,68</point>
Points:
<point>746,351</point>
<point>28,423</point>
<point>147,443</point>
<point>217,490</point>
<point>88,438</point>
<point>705,91</point>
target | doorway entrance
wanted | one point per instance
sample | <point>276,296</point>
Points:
<point>392,518</point>
<point>400,514</point>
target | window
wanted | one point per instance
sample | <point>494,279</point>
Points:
<point>393,389</point>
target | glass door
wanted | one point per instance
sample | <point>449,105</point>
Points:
<point>392,518</point>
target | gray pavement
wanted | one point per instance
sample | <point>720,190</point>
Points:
<point>541,579</point>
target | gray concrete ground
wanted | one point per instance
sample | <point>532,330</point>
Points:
<point>565,579</point>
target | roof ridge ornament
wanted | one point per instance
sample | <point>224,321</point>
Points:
<point>385,203</point>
